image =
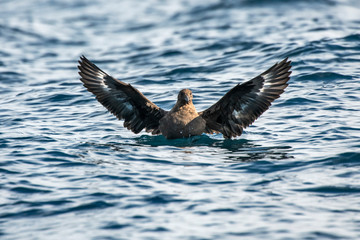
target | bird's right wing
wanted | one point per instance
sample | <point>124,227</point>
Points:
<point>244,103</point>
<point>121,99</point>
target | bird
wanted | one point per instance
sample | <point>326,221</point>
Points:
<point>235,111</point>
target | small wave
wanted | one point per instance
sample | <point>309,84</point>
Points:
<point>6,171</point>
<point>144,82</point>
<point>139,27</point>
<point>162,199</point>
<point>88,206</point>
<point>10,77</point>
<point>352,38</point>
<point>23,214</point>
<point>191,70</point>
<point>28,190</point>
<point>235,44</point>
<point>171,53</point>
<point>303,50</point>
<point>346,158</point>
<point>115,226</point>
<point>265,182</point>
<point>224,210</point>
<point>323,76</point>
<point>331,190</point>
<point>156,229</point>
<point>37,212</point>
<point>61,97</point>
<point>299,101</point>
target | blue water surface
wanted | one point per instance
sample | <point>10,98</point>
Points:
<point>69,170</point>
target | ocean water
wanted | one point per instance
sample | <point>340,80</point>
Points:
<point>69,170</point>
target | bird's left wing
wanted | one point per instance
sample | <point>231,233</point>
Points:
<point>244,103</point>
<point>121,99</point>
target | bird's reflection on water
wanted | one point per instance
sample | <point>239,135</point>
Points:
<point>234,150</point>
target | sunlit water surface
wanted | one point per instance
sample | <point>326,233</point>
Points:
<point>69,170</point>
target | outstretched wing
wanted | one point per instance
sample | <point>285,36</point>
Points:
<point>121,99</point>
<point>244,103</point>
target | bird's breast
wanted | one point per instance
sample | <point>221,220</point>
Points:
<point>182,124</point>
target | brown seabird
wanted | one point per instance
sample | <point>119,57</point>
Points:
<point>236,110</point>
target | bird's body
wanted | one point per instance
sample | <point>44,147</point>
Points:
<point>183,120</point>
<point>236,110</point>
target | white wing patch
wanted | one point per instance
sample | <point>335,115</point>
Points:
<point>267,76</point>
<point>101,76</point>
<point>238,114</point>
<point>266,85</point>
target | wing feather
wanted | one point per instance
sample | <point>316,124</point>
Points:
<point>244,103</point>
<point>121,99</point>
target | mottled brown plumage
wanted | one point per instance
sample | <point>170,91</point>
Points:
<point>183,120</point>
<point>236,110</point>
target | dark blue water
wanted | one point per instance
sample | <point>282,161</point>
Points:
<point>69,170</point>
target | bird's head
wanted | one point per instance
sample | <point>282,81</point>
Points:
<point>185,96</point>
